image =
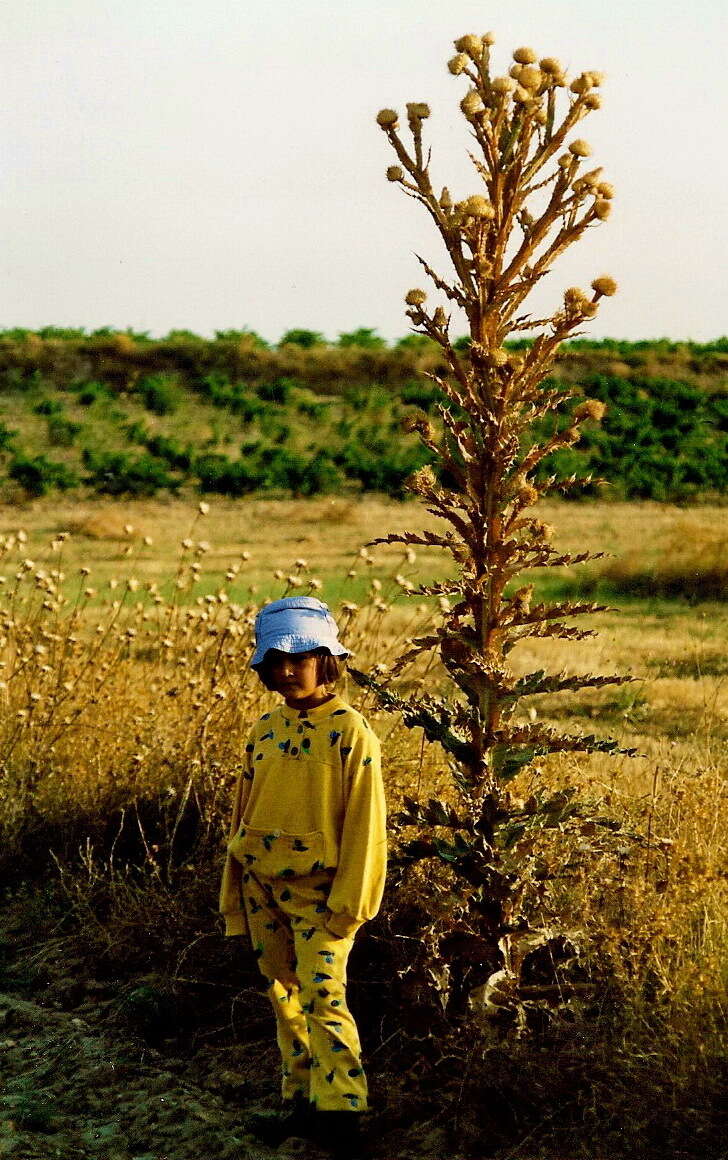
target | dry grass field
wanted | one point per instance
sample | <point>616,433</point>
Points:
<point>125,633</point>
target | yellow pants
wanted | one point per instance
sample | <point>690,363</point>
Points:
<point>306,969</point>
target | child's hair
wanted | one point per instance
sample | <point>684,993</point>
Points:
<point>329,668</point>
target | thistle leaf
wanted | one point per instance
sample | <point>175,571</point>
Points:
<point>539,682</point>
<point>418,716</point>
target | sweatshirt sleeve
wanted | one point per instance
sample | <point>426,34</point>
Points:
<point>231,896</point>
<point>358,886</point>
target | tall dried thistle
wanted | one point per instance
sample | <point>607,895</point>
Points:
<point>534,201</point>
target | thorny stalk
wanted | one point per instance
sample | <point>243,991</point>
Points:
<point>534,200</point>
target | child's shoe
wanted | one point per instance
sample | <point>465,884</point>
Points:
<point>340,1133</point>
<point>295,1119</point>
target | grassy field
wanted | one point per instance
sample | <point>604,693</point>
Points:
<point>126,635</point>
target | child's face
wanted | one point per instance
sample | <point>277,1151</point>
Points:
<point>296,677</point>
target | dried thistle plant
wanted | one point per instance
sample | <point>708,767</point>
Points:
<point>533,200</point>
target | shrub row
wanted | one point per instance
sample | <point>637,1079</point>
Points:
<point>660,438</point>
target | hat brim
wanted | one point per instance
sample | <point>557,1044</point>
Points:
<point>293,644</point>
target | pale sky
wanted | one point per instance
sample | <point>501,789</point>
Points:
<point>210,164</point>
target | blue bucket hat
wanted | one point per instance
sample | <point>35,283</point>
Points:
<point>293,625</point>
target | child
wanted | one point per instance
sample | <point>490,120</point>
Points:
<point>306,864</point>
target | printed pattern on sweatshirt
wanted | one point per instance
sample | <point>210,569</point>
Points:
<point>311,785</point>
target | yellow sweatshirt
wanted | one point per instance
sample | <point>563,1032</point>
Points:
<point>310,797</point>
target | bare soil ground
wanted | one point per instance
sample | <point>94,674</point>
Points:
<point>74,1088</point>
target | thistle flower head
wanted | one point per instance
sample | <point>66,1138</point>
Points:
<point>417,110</point>
<point>488,38</point>
<point>593,101</point>
<point>527,495</point>
<point>590,409</point>
<point>479,207</point>
<point>602,209</point>
<point>439,317</point>
<point>415,297</point>
<point>604,285</point>
<point>503,85</point>
<point>574,298</point>
<point>581,84</point>
<point>394,173</point>
<point>525,56</point>
<point>456,64</point>
<point>531,77</point>
<point>387,118</point>
<point>472,103</point>
<point>470,44</point>
<point>604,189</point>
<point>422,481</point>
<point>580,148</point>
<point>551,66</point>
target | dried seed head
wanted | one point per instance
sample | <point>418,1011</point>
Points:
<point>590,409</point>
<point>415,297</point>
<point>439,317</point>
<point>597,78</point>
<point>602,209</point>
<point>394,173</point>
<point>527,495</point>
<point>604,189</point>
<point>488,38</point>
<point>479,207</point>
<point>525,56</point>
<point>580,148</point>
<point>417,111</point>
<point>445,199</point>
<point>525,97</point>
<point>581,84</point>
<point>456,64</point>
<point>550,65</point>
<point>590,179</point>
<point>593,101</point>
<point>422,481</point>
<point>531,77</point>
<point>604,285</point>
<point>472,103</point>
<point>503,85</point>
<point>387,118</point>
<point>470,44</point>
<point>574,298</point>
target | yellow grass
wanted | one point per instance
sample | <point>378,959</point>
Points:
<point>144,690</point>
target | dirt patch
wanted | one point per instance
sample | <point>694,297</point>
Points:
<point>73,1088</point>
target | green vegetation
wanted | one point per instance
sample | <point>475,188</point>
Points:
<point>121,413</point>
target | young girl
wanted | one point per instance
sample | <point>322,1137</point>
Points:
<point>306,864</point>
